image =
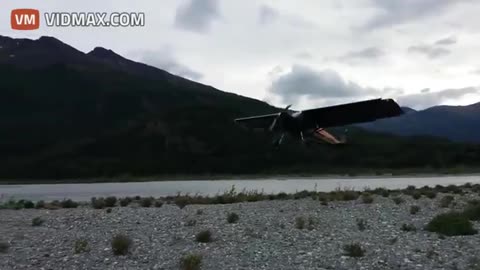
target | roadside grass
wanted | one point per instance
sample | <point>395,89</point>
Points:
<point>451,224</point>
<point>191,262</point>
<point>121,244</point>
<point>367,198</point>
<point>204,236</point>
<point>414,209</point>
<point>37,221</point>
<point>4,246</point>
<point>232,218</point>
<point>353,250</point>
<point>446,200</point>
<point>81,246</point>
<point>408,228</point>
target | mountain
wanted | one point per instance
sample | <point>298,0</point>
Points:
<point>69,114</point>
<point>457,123</point>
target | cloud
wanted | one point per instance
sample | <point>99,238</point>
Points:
<point>425,90</point>
<point>446,41</point>
<point>304,82</point>
<point>403,11</point>
<point>367,53</point>
<point>303,55</point>
<point>268,15</point>
<point>165,60</point>
<point>430,51</point>
<point>197,15</point>
<point>429,99</point>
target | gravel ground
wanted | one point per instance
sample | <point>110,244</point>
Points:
<point>265,236</point>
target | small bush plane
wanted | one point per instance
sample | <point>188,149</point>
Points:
<point>310,124</point>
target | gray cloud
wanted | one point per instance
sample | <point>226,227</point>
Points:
<point>446,41</point>
<point>163,59</point>
<point>402,11</point>
<point>197,15</point>
<point>425,90</point>
<point>429,99</point>
<point>430,51</point>
<point>303,55</point>
<point>367,53</point>
<point>267,15</point>
<point>303,81</point>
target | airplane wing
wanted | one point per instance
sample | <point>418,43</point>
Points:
<point>350,113</point>
<point>257,122</point>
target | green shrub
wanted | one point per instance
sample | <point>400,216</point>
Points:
<point>69,204</point>
<point>430,194</point>
<point>361,224</point>
<point>125,201</point>
<point>204,236</point>
<point>398,200</point>
<point>110,201</point>
<point>382,192</point>
<point>108,211</point>
<point>40,205</point>
<point>191,262</point>
<point>414,209</point>
<point>232,218</point>
<point>81,246</point>
<point>472,212</point>
<point>367,198</point>
<point>98,203</point>
<point>158,203</point>
<point>37,221</point>
<point>28,205</point>
<point>354,250</point>
<point>146,202</point>
<point>408,228</point>
<point>300,223</point>
<point>121,244</point>
<point>446,201</point>
<point>4,246</point>
<point>416,195</point>
<point>452,223</point>
<point>199,211</point>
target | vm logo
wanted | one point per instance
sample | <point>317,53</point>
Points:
<point>25,19</point>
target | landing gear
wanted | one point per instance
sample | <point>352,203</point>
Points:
<point>279,141</point>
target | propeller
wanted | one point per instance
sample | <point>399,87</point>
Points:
<point>276,120</point>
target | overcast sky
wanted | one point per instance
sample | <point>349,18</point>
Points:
<point>306,52</point>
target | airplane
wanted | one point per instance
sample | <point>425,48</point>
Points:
<point>310,124</point>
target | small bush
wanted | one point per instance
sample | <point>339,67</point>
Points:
<point>199,211</point>
<point>348,195</point>
<point>191,222</point>
<point>110,201</point>
<point>398,200</point>
<point>204,236</point>
<point>81,246</point>
<point>232,218</point>
<point>69,204</point>
<point>28,205</point>
<point>430,194</point>
<point>367,198</point>
<point>125,201</point>
<point>191,262</point>
<point>37,221</point>
<point>361,224</point>
<point>109,210</point>
<point>146,202</point>
<point>300,223</point>
<point>354,250</point>
<point>408,228</point>
<point>416,195</point>
<point>98,203</point>
<point>40,205</point>
<point>446,201</point>
<point>472,212</point>
<point>325,203</point>
<point>414,209</point>
<point>4,246</point>
<point>158,203</point>
<point>452,223</point>
<point>453,189</point>
<point>381,191</point>
<point>121,244</point>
